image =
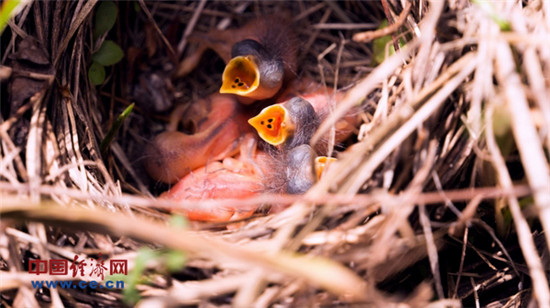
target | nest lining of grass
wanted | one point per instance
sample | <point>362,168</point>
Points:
<point>410,215</point>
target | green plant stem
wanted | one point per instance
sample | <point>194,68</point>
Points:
<point>106,142</point>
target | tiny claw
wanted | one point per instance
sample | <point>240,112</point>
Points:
<point>241,76</point>
<point>273,124</point>
<point>322,163</point>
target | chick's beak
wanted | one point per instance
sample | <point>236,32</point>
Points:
<point>322,163</point>
<point>241,76</point>
<point>273,124</point>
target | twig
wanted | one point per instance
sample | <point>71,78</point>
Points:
<point>339,26</point>
<point>338,11</point>
<point>367,36</point>
<point>358,93</point>
<point>533,68</point>
<point>22,19</point>
<point>526,137</point>
<point>399,209</point>
<point>82,15</point>
<point>193,291</point>
<point>461,266</point>
<point>38,76</point>
<point>313,37</point>
<point>491,233</point>
<point>34,143</point>
<point>540,283</point>
<point>348,236</point>
<point>17,30</point>
<point>190,26</point>
<point>309,11</point>
<point>432,250</point>
<point>72,141</point>
<point>4,127</point>
<point>365,170</point>
<point>364,200</point>
<point>157,29</point>
<point>224,23</point>
<point>426,40</point>
<point>318,271</point>
<point>474,288</point>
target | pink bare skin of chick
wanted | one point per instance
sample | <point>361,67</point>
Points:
<point>219,124</point>
<point>229,179</point>
<point>320,101</point>
<point>248,175</point>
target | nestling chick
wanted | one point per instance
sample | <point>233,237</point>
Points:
<point>295,121</point>
<point>260,57</point>
<point>288,124</point>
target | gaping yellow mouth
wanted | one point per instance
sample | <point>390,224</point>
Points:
<point>321,164</point>
<point>241,76</point>
<point>273,124</point>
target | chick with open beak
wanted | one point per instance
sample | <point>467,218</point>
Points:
<point>260,56</point>
<point>287,125</point>
<point>252,72</point>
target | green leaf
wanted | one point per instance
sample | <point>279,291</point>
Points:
<point>486,6</point>
<point>503,131</point>
<point>6,11</point>
<point>379,45</point>
<point>116,277</point>
<point>501,122</point>
<point>175,260</point>
<point>178,221</point>
<point>145,255</point>
<point>96,73</point>
<point>105,18</point>
<point>108,54</point>
<point>130,293</point>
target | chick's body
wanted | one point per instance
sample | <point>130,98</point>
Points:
<point>219,125</point>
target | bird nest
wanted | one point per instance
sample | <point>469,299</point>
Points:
<point>441,197</point>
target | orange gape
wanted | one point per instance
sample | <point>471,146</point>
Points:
<point>230,179</point>
<point>271,125</point>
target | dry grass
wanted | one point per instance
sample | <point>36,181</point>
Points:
<point>442,198</point>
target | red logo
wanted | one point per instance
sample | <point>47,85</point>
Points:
<point>77,265</point>
<point>94,268</point>
<point>99,268</point>
<point>58,267</point>
<point>119,267</point>
<point>40,267</point>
